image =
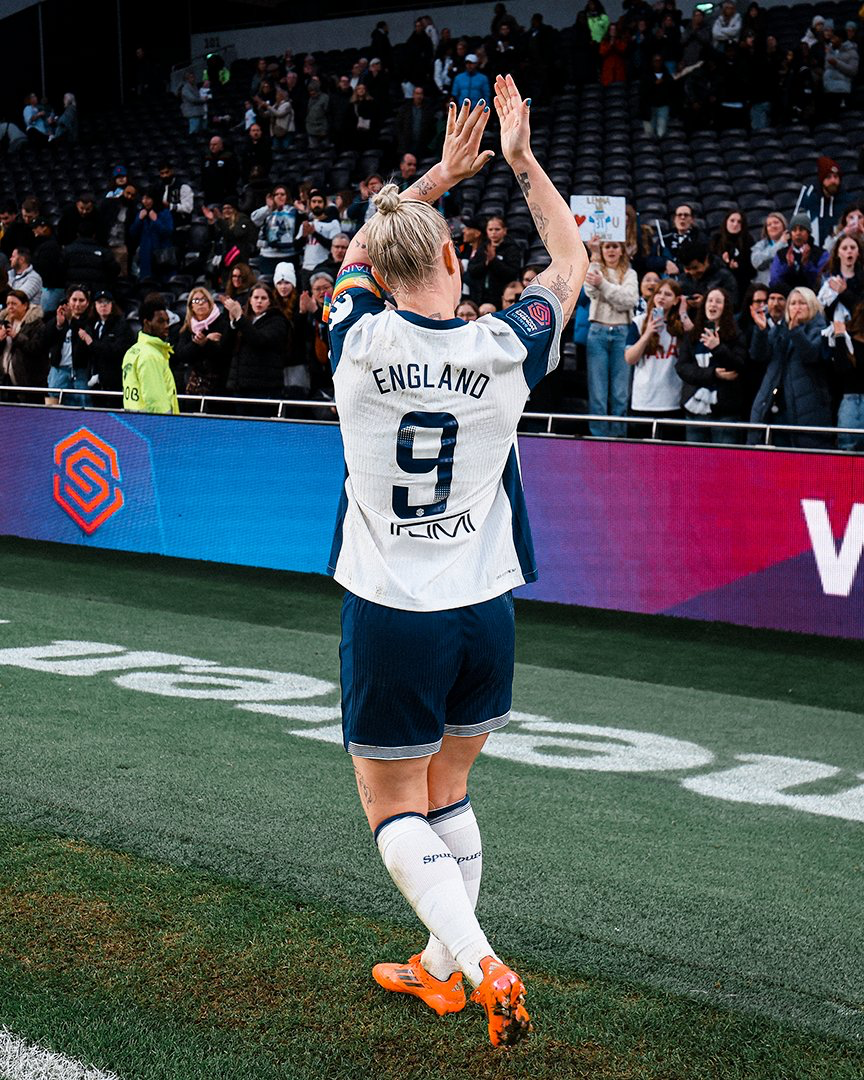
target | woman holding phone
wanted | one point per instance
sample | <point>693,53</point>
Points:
<point>652,351</point>
<point>711,362</point>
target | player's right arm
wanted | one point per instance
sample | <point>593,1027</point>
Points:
<point>460,158</point>
<point>555,223</point>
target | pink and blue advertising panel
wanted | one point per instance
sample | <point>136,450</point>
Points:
<point>758,537</point>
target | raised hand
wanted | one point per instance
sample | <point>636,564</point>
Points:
<point>513,114</point>
<point>461,156</point>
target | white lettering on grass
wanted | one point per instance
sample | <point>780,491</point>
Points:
<point>765,780</point>
<point>540,741</point>
<point>309,714</point>
<point>87,658</point>
<point>226,684</point>
<point>837,569</point>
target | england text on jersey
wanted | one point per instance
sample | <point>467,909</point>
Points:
<point>418,376</point>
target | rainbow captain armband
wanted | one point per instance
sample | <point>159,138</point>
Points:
<point>352,276</point>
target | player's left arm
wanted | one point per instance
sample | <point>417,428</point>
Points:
<point>460,158</point>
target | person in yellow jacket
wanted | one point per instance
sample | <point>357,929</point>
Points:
<point>148,384</point>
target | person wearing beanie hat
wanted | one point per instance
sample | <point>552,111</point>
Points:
<point>822,202</point>
<point>285,272</point>
<point>800,262</point>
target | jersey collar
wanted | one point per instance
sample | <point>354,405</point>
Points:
<point>431,324</point>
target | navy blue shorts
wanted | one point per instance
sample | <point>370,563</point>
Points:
<point>411,677</point>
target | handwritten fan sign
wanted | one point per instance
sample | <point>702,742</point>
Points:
<point>600,215</point>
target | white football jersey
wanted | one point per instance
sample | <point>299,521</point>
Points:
<point>432,515</point>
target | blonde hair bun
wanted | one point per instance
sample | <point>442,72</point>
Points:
<point>387,199</point>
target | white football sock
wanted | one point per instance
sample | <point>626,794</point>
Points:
<point>425,872</point>
<point>457,827</point>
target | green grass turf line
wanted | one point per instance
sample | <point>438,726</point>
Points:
<point>799,668</point>
<point>157,972</point>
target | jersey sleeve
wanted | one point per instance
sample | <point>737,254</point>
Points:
<point>537,320</point>
<point>355,294</point>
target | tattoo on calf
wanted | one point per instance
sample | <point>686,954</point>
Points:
<point>367,796</point>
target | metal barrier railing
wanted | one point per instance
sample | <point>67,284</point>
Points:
<point>547,420</point>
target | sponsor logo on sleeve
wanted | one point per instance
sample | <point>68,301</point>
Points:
<point>532,319</point>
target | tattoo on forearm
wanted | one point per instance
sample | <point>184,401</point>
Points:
<point>560,287</point>
<point>367,796</point>
<point>540,220</point>
<point>523,182</point>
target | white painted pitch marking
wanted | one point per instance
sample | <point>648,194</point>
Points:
<point>20,1060</point>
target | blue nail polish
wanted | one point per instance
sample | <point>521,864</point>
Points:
<point>486,109</point>
<point>528,102</point>
<point>466,102</point>
<point>482,101</point>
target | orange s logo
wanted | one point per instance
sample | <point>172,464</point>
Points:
<point>87,479</point>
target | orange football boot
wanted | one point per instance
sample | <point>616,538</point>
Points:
<point>412,978</point>
<point>502,995</point>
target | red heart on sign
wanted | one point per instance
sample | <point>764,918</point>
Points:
<point>580,219</point>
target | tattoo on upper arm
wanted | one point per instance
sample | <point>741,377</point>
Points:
<point>523,182</point>
<point>540,220</point>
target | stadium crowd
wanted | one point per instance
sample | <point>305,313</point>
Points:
<point>683,323</point>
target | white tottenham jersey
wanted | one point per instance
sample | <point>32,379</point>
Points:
<point>432,515</point>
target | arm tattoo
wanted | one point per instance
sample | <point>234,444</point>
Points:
<point>540,220</point>
<point>560,287</point>
<point>422,187</point>
<point>523,182</point>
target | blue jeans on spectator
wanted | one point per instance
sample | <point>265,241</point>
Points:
<point>196,124</point>
<point>659,121</point>
<point>851,414</point>
<point>608,377</point>
<point>760,115</point>
<point>67,378</point>
<point>716,434</point>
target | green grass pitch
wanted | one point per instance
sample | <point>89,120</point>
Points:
<point>673,840</point>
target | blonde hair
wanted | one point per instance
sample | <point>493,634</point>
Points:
<point>405,239</point>
<point>196,290</point>
<point>809,298</point>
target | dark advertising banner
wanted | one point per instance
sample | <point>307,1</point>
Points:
<point>761,538</point>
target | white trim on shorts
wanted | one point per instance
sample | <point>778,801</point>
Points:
<point>466,730</point>
<point>388,753</point>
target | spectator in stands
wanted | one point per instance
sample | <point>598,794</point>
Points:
<point>847,353</point>
<point>732,243</point>
<point>343,118</point>
<point>613,56</point>
<point>471,84</point>
<point>656,98</point>
<point>15,231</point>
<point>755,22</point>
<point>774,236</point>
<point>22,343</point>
<point>121,175</point>
<point>703,272</point>
<point>263,338</point>
<point>364,119</point>
<point>312,336</point>
<point>205,345</point>
<point>89,262</point>
<point>258,75</point>
<point>652,351</point>
<point>235,235</point>
<point>727,26</point>
<point>759,78</point>
<point>775,305</point>
<point>843,286</point>
<point>467,310</point>
<point>107,341</point>
<point>318,227</point>
<point>24,277</point>
<point>667,41</point>
<point>541,57</point>
<point>841,67</point>
<point>38,120</point>
<point>712,358</point>
<point>666,259</point>
<point>81,211</point>
<point>416,122</point>
<point>281,117</point>
<point>417,60</point>
<point>497,261</point>
<point>66,127</point>
<point>148,383</point>
<point>696,40</point>
<point>598,21</point>
<point>851,223</point>
<point>277,227</point>
<point>823,202</point>
<point>241,278</point>
<point>510,295</point>
<point>381,46</point>
<point>118,215</point>
<point>504,48</point>
<point>48,260</point>
<point>317,118</point>
<point>65,341</point>
<point>613,290</point>
<point>795,389</point>
<point>647,287</point>
<point>152,230</point>
<point>193,109</point>
<point>219,173</point>
<point>256,154</point>
<point>407,171</point>
<point>30,210</point>
<point>338,247</point>
<point>800,263</point>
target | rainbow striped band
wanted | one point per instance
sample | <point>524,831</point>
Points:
<point>352,276</point>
